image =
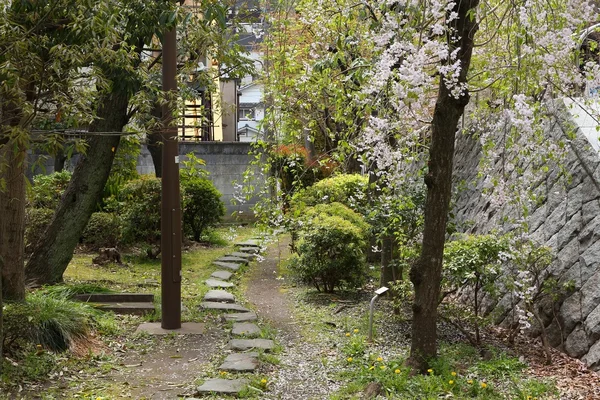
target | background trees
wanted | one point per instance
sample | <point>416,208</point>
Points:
<point>430,69</point>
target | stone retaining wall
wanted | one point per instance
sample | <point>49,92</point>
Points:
<point>568,221</point>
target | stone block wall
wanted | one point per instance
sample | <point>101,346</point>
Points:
<point>567,220</point>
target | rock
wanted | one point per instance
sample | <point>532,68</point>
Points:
<point>592,324</point>
<point>108,255</point>
<point>219,296</point>
<point>245,328</point>
<point>592,358</point>
<point>252,250</point>
<point>577,343</point>
<point>246,256</point>
<point>224,275</point>
<point>248,243</point>
<point>211,305</point>
<point>247,344</point>
<point>590,210</point>
<point>240,362</point>
<point>241,317</point>
<point>229,386</point>
<point>216,283</point>
<point>237,260</point>
<point>228,265</point>
<point>372,390</point>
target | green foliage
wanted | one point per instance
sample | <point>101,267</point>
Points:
<point>68,291</point>
<point>36,222</point>
<point>51,322</point>
<point>102,230</point>
<point>140,210</point>
<point>472,265</point>
<point>330,253</point>
<point>348,189</point>
<point>47,190</point>
<point>193,167</point>
<point>290,164</point>
<point>202,206</point>
<point>123,170</point>
<point>335,210</point>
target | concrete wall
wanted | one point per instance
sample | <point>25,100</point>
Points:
<point>567,220</point>
<point>226,162</point>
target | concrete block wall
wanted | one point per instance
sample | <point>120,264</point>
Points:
<point>568,221</point>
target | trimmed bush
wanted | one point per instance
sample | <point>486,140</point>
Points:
<point>102,230</point>
<point>202,206</point>
<point>139,209</point>
<point>47,190</point>
<point>348,189</point>
<point>36,222</point>
<point>336,210</point>
<point>330,253</point>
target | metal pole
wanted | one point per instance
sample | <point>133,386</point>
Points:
<point>171,205</point>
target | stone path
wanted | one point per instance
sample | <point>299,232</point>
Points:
<point>218,299</point>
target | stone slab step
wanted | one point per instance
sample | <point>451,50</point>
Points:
<point>245,329</point>
<point>251,250</point>
<point>213,305</point>
<point>241,317</point>
<point>219,296</point>
<point>226,386</point>
<point>217,283</point>
<point>240,362</point>
<point>228,265</point>
<point>249,243</point>
<point>246,256</point>
<point>224,275</point>
<point>238,260</point>
<point>248,344</point>
<point>115,297</point>
<point>126,308</point>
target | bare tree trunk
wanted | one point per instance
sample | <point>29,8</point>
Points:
<point>388,271</point>
<point>1,318</point>
<point>12,220</point>
<point>155,143</point>
<point>425,274</point>
<point>52,254</point>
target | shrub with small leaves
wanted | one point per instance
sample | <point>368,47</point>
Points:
<point>202,206</point>
<point>36,222</point>
<point>103,230</point>
<point>330,253</point>
<point>348,189</point>
<point>47,190</point>
<point>139,209</point>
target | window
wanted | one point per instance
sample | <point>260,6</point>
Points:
<point>245,113</point>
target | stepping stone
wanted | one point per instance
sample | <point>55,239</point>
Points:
<point>217,283</point>
<point>247,344</point>
<point>219,296</point>
<point>241,317</point>
<point>230,386</point>
<point>238,260</point>
<point>224,275</point>
<point>240,362</point>
<point>212,305</point>
<point>248,243</point>
<point>245,256</point>
<point>228,265</point>
<point>252,250</point>
<point>245,328</point>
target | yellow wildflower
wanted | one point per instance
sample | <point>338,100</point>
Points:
<point>355,330</point>
<point>451,382</point>
<point>371,368</point>
<point>470,381</point>
<point>382,367</point>
<point>379,359</point>
<point>483,385</point>
<point>263,381</point>
<point>349,359</point>
<point>397,371</point>
<point>453,373</point>
<point>347,334</point>
<point>430,371</point>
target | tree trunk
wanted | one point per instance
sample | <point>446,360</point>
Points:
<point>1,318</point>
<point>155,143</point>
<point>12,220</point>
<point>59,161</point>
<point>52,255</point>
<point>388,271</point>
<point>425,274</point>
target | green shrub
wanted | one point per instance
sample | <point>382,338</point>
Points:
<point>47,190</point>
<point>102,230</point>
<point>348,189</point>
<point>202,206</point>
<point>123,170</point>
<point>42,320</point>
<point>139,209</point>
<point>330,253</point>
<point>36,222</point>
<point>336,210</point>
